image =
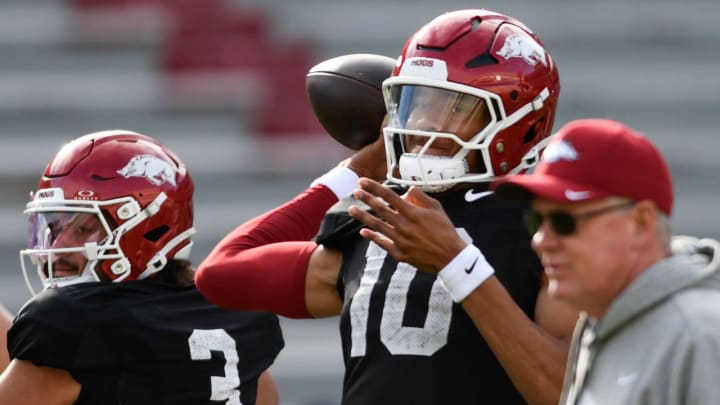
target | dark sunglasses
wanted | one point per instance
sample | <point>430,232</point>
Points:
<point>565,224</point>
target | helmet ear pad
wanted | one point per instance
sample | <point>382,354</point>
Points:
<point>345,93</point>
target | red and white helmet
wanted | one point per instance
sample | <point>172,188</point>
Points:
<point>480,62</point>
<point>136,192</point>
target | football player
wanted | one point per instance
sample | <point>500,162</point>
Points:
<point>472,98</point>
<point>119,319</point>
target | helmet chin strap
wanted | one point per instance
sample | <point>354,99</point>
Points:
<point>122,268</point>
<point>531,158</point>
<point>534,105</point>
<point>159,261</point>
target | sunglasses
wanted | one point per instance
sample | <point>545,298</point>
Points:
<point>565,224</point>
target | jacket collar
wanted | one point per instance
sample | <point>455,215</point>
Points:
<point>661,280</point>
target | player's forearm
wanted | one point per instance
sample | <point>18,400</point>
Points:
<point>267,391</point>
<point>267,278</point>
<point>261,265</point>
<point>24,383</point>
<point>297,220</point>
<point>534,360</point>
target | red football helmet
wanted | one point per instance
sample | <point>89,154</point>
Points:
<point>474,78</point>
<point>120,200</point>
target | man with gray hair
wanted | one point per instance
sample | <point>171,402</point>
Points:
<point>649,334</point>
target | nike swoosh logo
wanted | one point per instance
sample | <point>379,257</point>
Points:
<point>470,268</point>
<point>576,195</point>
<point>471,196</point>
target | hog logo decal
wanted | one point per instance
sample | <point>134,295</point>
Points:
<point>523,46</point>
<point>155,170</point>
<point>558,151</point>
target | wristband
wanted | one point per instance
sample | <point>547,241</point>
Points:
<point>340,180</point>
<point>465,272</point>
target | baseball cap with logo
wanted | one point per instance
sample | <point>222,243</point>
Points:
<point>589,159</point>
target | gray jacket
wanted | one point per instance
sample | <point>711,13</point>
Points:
<point>659,342</point>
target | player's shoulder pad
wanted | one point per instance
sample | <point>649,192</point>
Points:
<point>338,228</point>
<point>55,308</point>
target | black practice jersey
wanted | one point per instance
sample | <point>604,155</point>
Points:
<point>404,340</point>
<point>145,342</point>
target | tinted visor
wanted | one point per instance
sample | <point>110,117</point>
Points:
<point>434,109</point>
<point>56,230</point>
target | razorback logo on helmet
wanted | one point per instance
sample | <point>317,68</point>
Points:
<point>557,151</point>
<point>154,169</point>
<point>525,47</point>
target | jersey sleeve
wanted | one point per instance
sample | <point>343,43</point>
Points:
<point>338,229</point>
<point>49,322</point>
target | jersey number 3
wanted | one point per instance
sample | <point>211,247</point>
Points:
<point>399,339</point>
<point>224,388</point>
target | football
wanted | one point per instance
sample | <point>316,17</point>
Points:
<point>346,96</point>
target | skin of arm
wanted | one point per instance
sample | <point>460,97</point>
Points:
<point>19,386</point>
<point>24,383</point>
<point>321,295</point>
<point>267,391</point>
<point>5,322</point>
<point>415,229</point>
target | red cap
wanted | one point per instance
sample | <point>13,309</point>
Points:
<point>589,159</point>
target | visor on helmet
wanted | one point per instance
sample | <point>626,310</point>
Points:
<point>64,230</point>
<point>64,242</point>
<point>431,109</point>
<point>430,132</point>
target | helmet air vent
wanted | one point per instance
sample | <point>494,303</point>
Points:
<point>157,233</point>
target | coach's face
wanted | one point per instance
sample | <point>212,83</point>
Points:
<point>587,249</point>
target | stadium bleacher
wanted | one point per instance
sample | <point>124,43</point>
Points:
<point>222,81</point>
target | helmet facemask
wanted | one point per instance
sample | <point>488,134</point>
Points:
<point>435,130</point>
<point>62,234</point>
<point>66,240</point>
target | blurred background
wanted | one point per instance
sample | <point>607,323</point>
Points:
<point>222,83</point>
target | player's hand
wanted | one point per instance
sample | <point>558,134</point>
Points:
<point>413,228</point>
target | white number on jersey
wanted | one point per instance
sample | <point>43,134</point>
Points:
<point>224,388</point>
<point>399,339</point>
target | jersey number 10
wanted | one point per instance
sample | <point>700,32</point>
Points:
<point>399,339</point>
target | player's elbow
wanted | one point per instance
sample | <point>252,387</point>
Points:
<point>211,281</point>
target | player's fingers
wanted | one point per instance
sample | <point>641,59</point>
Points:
<point>419,198</point>
<point>370,220</point>
<point>383,192</point>
<point>378,205</point>
<point>381,240</point>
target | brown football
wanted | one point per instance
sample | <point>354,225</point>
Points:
<point>346,95</point>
